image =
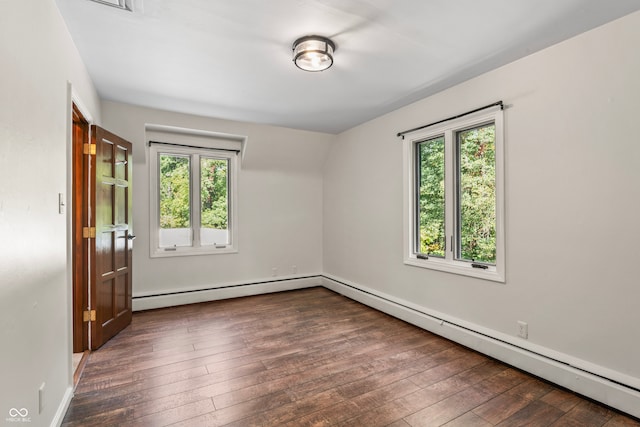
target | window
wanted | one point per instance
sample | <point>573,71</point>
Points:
<point>454,197</point>
<point>193,200</point>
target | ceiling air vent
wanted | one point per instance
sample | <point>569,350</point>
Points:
<point>120,4</point>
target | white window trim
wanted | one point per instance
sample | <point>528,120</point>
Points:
<point>494,273</point>
<point>155,250</point>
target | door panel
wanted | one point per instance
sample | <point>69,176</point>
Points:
<point>111,284</point>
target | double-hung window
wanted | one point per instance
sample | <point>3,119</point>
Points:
<point>454,215</point>
<point>193,200</point>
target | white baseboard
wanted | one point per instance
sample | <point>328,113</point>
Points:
<point>62,408</point>
<point>595,383</point>
<point>224,291</point>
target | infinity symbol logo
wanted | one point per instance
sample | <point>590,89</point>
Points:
<point>13,412</point>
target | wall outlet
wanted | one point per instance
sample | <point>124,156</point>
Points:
<point>274,272</point>
<point>523,329</point>
<point>294,269</point>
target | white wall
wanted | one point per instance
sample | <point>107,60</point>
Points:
<point>37,60</point>
<point>572,205</point>
<point>280,206</point>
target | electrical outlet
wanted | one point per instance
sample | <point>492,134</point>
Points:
<point>294,269</point>
<point>523,329</point>
<point>274,272</point>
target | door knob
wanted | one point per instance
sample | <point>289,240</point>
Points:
<point>131,237</point>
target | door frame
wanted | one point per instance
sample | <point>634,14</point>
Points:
<point>80,126</point>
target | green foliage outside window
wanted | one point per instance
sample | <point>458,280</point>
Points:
<point>175,192</point>
<point>213,193</point>
<point>476,195</point>
<point>431,197</point>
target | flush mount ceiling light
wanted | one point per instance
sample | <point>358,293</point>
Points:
<point>313,53</point>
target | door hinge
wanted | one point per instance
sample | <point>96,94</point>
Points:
<point>88,232</point>
<point>89,316</point>
<point>89,149</point>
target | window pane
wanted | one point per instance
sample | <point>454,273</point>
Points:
<point>430,197</point>
<point>214,201</point>
<point>175,212</point>
<point>477,194</point>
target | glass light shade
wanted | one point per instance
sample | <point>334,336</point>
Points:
<point>313,53</point>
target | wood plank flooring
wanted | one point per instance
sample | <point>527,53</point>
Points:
<point>307,358</point>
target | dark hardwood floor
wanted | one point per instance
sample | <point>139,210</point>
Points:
<point>307,358</point>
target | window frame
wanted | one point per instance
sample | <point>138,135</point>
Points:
<point>411,170</point>
<point>195,154</point>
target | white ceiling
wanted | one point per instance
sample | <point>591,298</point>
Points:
<point>231,59</point>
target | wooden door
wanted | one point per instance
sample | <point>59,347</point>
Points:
<point>111,249</point>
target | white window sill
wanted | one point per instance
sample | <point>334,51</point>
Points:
<point>461,268</point>
<point>188,251</point>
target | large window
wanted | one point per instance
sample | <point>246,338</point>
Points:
<point>453,197</point>
<point>193,200</point>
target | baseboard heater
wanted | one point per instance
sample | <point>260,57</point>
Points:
<point>223,291</point>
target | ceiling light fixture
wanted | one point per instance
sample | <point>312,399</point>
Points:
<point>313,53</point>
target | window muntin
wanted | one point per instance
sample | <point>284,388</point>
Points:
<point>454,182</point>
<point>193,200</point>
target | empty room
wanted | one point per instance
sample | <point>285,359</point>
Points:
<point>319,213</point>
